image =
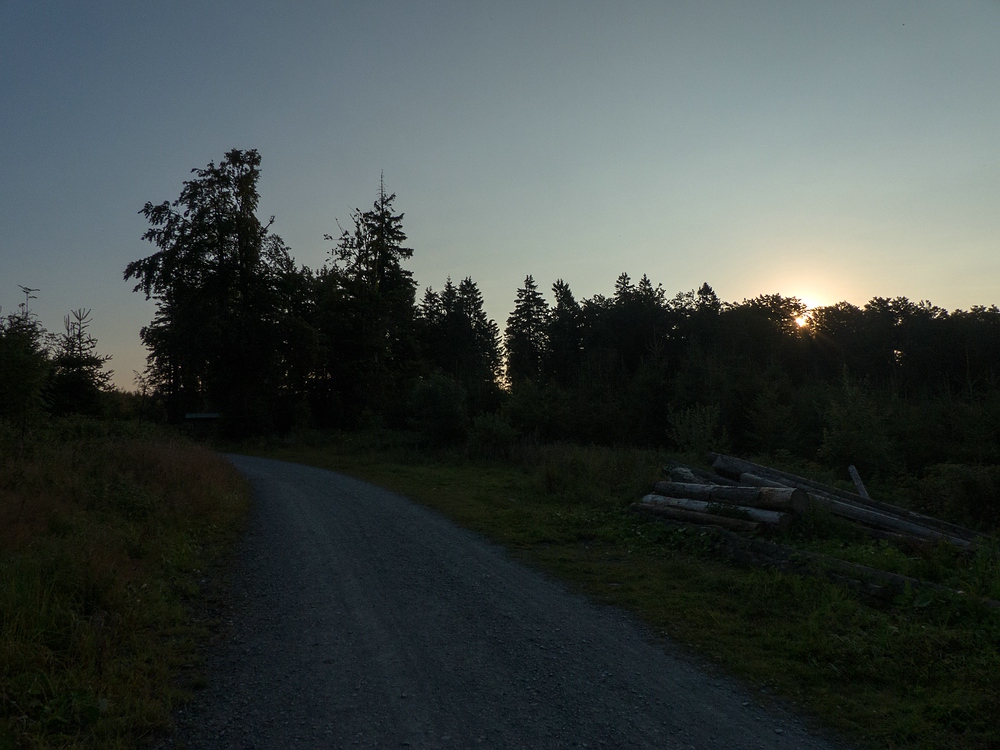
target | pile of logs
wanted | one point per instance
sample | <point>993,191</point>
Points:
<point>735,508</point>
<point>744,496</point>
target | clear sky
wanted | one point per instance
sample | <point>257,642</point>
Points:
<point>827,150</point>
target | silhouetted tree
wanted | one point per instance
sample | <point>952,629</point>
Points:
<point>367,307</point>
<point>24,364</point>
<point>562,359</point>
<point>460,340</point>
<point>526,337</point>
<point>214,340</point>
<point>78,377</point>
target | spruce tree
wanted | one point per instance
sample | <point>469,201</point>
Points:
<point>564,333</point>
<point>526,337</point>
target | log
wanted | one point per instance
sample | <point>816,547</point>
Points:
<point>702,476</point>
<point>690,516</point>
<point>858,484</point>
<point>681,474</point>
<point>837,499</point>
<point>755,481</point>
<point>786,499</point>
<point>779,520</point>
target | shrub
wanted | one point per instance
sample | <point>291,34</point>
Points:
<point>491,437</point>
<point>437,410</point>
<point>969,494</point>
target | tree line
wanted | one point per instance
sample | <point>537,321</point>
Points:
<point>242,330</point>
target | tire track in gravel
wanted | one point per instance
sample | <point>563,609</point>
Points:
<point>361,619</point>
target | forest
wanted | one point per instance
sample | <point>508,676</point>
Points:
<point>240,329</point>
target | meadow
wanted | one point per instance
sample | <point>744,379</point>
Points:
<point>109,534</point>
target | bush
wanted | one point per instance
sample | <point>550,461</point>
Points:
<point>437,410</point>
<point>491,437</point>
<point>697,429</point>
<point>857,432</point>
<point>967,494</point>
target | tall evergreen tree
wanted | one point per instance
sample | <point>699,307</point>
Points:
<point>368,306</point>
<point>564,334</point>
<point>526,337</point>
<point>460,340</point>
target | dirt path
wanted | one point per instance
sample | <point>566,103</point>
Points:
<point>364,620</point>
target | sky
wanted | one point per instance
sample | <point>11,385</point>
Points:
<point>829,151</point>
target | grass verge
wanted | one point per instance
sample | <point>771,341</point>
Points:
<point>920,672</point>
<point>105,529</point>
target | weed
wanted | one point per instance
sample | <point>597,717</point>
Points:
<point>102,530</point>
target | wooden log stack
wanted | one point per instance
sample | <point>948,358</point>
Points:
<point>848,505</point>
<point>735,508</point>
<point>742,488</point>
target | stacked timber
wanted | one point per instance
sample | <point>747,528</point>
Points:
<point>739,508</point>
<point>857,508</point>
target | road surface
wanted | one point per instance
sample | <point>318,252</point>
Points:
<point>360,619</point>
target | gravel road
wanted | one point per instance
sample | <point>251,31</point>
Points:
<point>360,619</point>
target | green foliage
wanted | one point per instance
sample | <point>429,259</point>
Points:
<point>697,429</point>
<point>366,307</point>
<point>492,438</point>
<point>857,431</point>
<point>78,379</point>
<point>105,529</point>
<point>438,410</point>
<point>224,287</point>
<point>456,337</point>
<point>970,494</point>
<point>24,365</point>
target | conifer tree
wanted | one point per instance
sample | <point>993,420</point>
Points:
<point>78,376</point>
<point>564,334</point>
<point>526,335</point>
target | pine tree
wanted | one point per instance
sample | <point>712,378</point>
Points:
<point>78,376</point>
<point>24,365</point>
<point>564,333</point>
<point>526,335</point>
<point>370,304</point>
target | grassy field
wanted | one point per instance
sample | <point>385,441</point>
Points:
<point>106,532</point>
<point>922,671</point>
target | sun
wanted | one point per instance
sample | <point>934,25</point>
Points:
<point>802,321</point>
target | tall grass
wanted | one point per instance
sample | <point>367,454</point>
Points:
<point>104,529</point>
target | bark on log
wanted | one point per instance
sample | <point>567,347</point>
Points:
<point>680,474</point>
<point>690,516</point>
<point>785,499</point>
<point>900,519</point>
<point>778,520</point>
<point>702,476</point>
<point>755,481</point>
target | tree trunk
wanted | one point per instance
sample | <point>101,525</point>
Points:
<point>690,516</point>
<point>779,520</point>
<point>785,499</point>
